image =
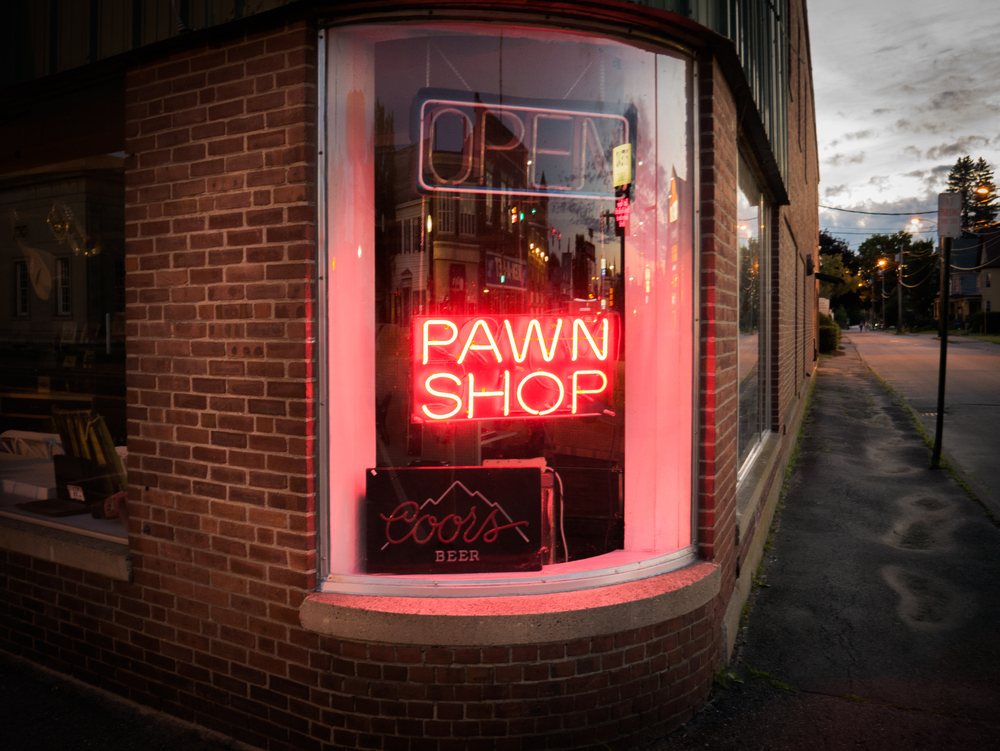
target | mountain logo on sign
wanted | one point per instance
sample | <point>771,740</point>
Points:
<point>409,518</point>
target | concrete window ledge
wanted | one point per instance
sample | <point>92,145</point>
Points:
<point>751,489</point>
<point>110,559</point>
<point>521,619</point>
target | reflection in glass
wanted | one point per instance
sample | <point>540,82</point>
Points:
<point>62,337</point>
<point>507,298</point>
<point>751,357</point>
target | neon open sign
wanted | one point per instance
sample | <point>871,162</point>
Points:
<point>558,150</point>
<point>515,367</point>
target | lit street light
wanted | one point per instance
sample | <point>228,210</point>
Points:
<point>881,276</point>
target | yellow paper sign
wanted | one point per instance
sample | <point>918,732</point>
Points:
<point>622,157</point>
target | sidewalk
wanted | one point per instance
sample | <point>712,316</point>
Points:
<point>878,625</point>
<point>44,711</point>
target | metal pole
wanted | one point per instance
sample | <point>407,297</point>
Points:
<point>899,293</point>
<point>881,279</point>
<point>943,368</point>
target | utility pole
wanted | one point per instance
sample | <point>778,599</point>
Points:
<point>899,293</point>
<point>949,226</point>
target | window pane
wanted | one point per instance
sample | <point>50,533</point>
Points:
<point>62,338</point>
<point>507,302</point>
<point>752,338</point>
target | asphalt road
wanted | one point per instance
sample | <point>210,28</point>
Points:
<point>910,364</point>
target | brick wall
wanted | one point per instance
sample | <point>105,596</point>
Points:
<point>800,224</point>
<point>220,222</point>
<point>718,156</point>
<point>296,690</point>
<point>221,215</point>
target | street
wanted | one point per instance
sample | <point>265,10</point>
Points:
<point>909,364</point>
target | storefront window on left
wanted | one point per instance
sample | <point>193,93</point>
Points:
<point>62,338</point>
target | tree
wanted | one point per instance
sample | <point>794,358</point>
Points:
<point>920,279</point>
<point>974,181</point>
<point>750,286</point>
<point>830,245</point>
<point>837,259</point>
<point>833,265</point>
<point>836,246</point>
<point>919,275</point>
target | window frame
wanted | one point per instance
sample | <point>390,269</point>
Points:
<point>20,297</point>
<point>64,286</point>
<point>619,566</point>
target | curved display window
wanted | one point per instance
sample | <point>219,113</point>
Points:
<point>508,309</point>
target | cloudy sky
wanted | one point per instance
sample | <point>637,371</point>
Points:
<point>903,89</point>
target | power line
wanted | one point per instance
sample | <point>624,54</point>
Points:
<point>878,213</point>
<point>834,230</point>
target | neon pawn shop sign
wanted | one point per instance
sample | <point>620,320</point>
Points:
<point>513,367</point>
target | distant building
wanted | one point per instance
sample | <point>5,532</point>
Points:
<point>989,271</point>
<point>975,261</point>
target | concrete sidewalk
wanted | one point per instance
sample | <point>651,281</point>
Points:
<point>878,622</point>
<point>44,711</point>
<point>878,625</point>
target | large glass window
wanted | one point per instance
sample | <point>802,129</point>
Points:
<point>62,343</point>
<point>509,307</point>
<point>752,351</point>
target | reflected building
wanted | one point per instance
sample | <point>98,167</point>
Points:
<point>62,258</point>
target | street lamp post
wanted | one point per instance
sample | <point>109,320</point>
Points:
<point>881,277</point>
<point>899,292</point>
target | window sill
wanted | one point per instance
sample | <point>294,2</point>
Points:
<point>617,567</point>
<point>98,546</point>
<point>751,485</point>
<point>517,619</point>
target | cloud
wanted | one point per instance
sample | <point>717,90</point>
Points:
<point>922,80</point>
<point>934,179</point>
<point>961,147</point>
<point>952,100</point>
<point>838,159</point>
<point>904,125</point>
